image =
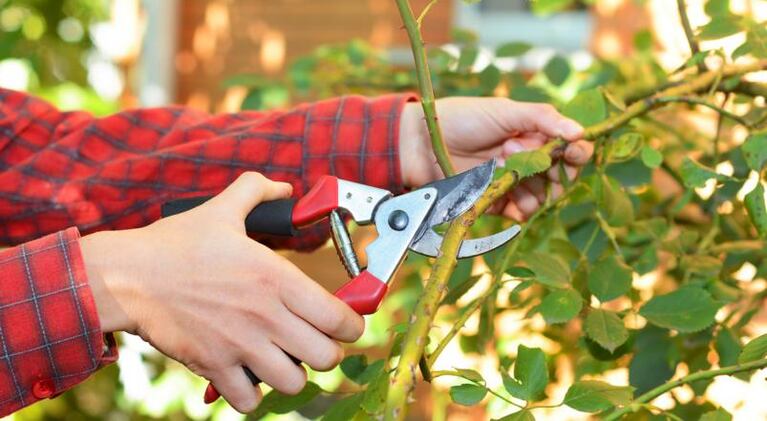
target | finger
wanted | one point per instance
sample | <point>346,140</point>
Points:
<point>309,301</point>
<point>511,211</point>
<point>556,190</point>
<point>525,201</point>
<point>578,153</point>
<point>553,173</point>
<point>544,118</point>
<point>248,190</point>
<point>308,344</point>
<point>537,187</point>
<point>236,388</point>
<point>276,369</point>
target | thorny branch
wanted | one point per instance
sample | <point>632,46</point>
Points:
<point>403,382</point>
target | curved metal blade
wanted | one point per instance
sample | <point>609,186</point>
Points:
<point>430,243</point>
<point>455,195</point>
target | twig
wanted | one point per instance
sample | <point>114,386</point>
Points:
<point>699,101</point>
<point>425,88</point>
<point>636,404</point>
<point>700,83</point>
<point>425,10</point>
<point>694,47</point>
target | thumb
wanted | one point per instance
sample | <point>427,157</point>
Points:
<point>248,190</point>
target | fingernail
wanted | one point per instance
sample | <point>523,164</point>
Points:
<point>512,147</point>
<point>575,153</point>
<point>570,128</point>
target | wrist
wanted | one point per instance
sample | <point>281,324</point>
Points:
<point>103,257</point>
<point>415,154</point>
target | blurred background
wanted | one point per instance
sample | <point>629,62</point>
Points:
<point>224,55</point>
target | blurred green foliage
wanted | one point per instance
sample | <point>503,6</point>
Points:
<point>614,223</point>
<point>52,40</point>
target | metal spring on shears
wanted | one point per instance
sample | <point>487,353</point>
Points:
<point>343,244</point>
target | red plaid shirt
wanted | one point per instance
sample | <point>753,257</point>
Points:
<point>62,173</point>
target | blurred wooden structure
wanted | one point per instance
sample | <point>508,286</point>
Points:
<point>220,38</point>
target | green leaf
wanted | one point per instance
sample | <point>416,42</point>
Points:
<point>489,78</point>
<point>545,7</point>
<point>688,309</point>
<point>467,57</point>
<point>643,40</point>
<point>557,70</point>
<point>728,347</point>
<point>528,93</point>
<point>717,415</point>
<point>356,368</point>
<point>717,7</point>
<point>353,365</point>
<point>465,36</point>
<point>594,396</point>
<point>517,416</point>
<point>625,146</point>
<point>549,269</point>
<point>527,163</point>
<point>755,151</point>
<point>280,403</point>
<point>701,264</point>
<point>695,174</point>
<point>606,329</point>
<point>472,375</point>
<point>654,361</point>
<point>374,397</point>
<point>610,278</point>
<point>512,49</point>
<point>530,374</point>
<point>755,207</point>
<point>344,409</point>
<point>613,202</point>
<point>588,107</point>
<point>561,306</point>
<point>719,27</point>
<point>467,394</point>
<point>520,272</point>
<point>755,350</point>
<point>651,157</point>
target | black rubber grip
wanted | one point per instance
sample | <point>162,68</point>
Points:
<point>275,217</point>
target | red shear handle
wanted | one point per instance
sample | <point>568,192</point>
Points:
<point>363,294</point>
<point>317,203</point>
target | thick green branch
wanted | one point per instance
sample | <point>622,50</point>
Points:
<point>412,26</point>
<point>404,379</point>
<point>637,403</point>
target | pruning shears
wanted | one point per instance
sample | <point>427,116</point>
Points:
<point>404,222</point>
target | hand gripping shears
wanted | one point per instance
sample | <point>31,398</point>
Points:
<point>404,222</point>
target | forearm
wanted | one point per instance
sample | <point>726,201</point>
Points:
<point>115,172</point>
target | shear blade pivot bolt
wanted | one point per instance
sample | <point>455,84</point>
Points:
<point>398,220</point>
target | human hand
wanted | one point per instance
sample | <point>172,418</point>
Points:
<point>200,290</point>
<point>478,129</point>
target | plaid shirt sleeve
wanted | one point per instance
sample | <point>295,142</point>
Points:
<point>62,173</point>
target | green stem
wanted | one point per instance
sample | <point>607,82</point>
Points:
<point>691,41</point>
<point>699,101</point>
<point>636,404</point>
<point>425,88</point>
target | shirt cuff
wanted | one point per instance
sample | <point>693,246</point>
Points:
<point>50,334</point>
